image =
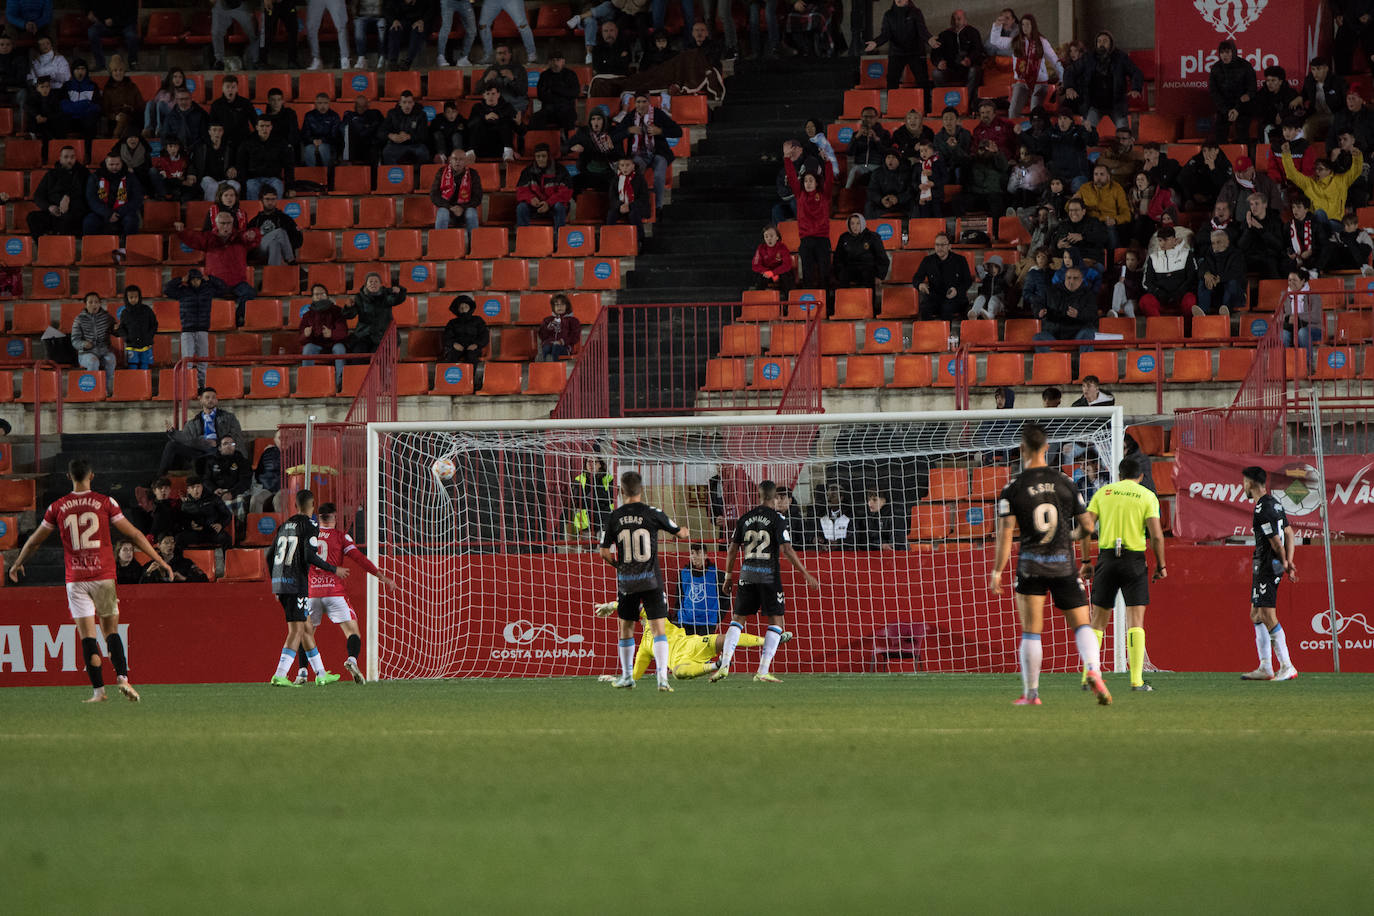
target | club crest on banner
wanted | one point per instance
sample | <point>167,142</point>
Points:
<point>1230,17</point>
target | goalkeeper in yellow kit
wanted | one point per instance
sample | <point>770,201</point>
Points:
<point>688,656</point>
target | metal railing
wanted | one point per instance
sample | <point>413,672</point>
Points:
<point>34,367</point>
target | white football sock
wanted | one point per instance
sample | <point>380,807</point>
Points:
<point>288,657</point>
<point>1262,646</point>
<point>770,645</point>
<point>1032,653</point>
<point>731,640</point>
<point>627,657</point>
<point>316,663</point>
<point>1280,641</point>
<point>661,658</point>
<point>1087,647</point>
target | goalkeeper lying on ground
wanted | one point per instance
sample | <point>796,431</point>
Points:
<point>688,656</point>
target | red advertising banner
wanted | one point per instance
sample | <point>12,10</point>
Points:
<point>1287,33</point>
<point>1211,504</point>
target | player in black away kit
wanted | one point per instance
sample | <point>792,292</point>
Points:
<point>760,538</point>
<point>291,555</point>
<point>1273,557</point>
<point>1045,505</point>
<point>632,530</point>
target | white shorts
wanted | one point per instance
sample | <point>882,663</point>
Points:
<point>335,606</point>
<point>86,599</point>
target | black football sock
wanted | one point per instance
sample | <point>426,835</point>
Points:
<point>115,643</point>
<point>90,650</point>
<point>355,644</point>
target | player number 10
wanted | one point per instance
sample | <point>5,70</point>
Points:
<point>635,545</point>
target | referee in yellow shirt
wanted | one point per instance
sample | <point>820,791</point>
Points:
<point>1126,513</point>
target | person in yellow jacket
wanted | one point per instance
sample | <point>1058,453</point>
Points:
<point>688,656</point>
<point>1326,189</point>
<point>593,498</point>
<point>1106,202</point>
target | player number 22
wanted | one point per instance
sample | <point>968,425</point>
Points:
<point>82,530</point>
<point>756,544</point>
<point>635,545</point>
<point>1046,521</point>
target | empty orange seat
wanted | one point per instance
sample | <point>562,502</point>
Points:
<point>618,241</point>
<point>1164,327</point>
<point>771,373</point>
<point>724,375</point>
<point>17,495</point>
<point>244,565</point>
<point>974,521</point>
<point>56,250</point>
<point>930,337</point>
<point>1142,366</point>
<point>462,276</point>
<point>911,372</point>
<point>948,484</point>
<point>1151,439</point>
<point>854,304</point>
<point>502,378</point>
<point>786,339</point>
<point>883,337</point>
<point>737,340</point>
<point>84,385</point>
<point>573,241</point>
<point>1334,363</point>
<point>1192,366</point>
<point>948,366</point>
<point>837,337</point>
<point>452,379</point>
<point>262,315</point>
<point>1163,474</point>
<point>402,245</point>
<point>510,273</point>
<point>929,523</point>
<point>554,273</point>
<point>546,378</point>
<point>360,245</point>
<point>1101,363</point>
<point>314,382</point>
<point>534,242</point>
<point>1051,369</point>
<point>204,560</point>
<point>226,380</point>
<point>333,213</point>
<point>270,382</point>
<point>898,302</point>
<point>1005,369</point>
<point>988,482</point>
<point>1211,327</point>
<point>488,242</point>
<point>601,273</point>
<point>132,385</point>
<point>1233,364</point>
<point>863,372</point>
<point>517,345</point>
<point>978,331</point>
<point>1020,330</point>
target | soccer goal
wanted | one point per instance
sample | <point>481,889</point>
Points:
<point>491,529</point>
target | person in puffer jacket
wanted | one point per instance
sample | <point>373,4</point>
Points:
<point>90,336</point>
<point>136,322</point>
<point>195,294</point>
<point>1170,277</point>
<point>990,292</point>
<point>372,305</point>
<point>860,259</point>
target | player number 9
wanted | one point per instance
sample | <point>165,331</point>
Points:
<point>1046,520</point>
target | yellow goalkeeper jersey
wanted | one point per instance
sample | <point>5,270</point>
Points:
<point>683,647</point>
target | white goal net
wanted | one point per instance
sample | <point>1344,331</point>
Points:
<point>490,531</point>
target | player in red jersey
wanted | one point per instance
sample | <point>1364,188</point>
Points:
<point>327,589</point>
<point>83,519</point>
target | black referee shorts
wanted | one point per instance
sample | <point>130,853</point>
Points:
<point>1126,574</point>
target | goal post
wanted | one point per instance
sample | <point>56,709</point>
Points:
<point>494,550</point>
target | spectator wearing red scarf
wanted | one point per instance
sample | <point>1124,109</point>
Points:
<point>1032,62</point>
<point>456,193</point>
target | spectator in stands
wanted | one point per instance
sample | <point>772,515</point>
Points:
<point>201,434</point>
<point>1106,202</point>
<point>161,104</point>
<point>558,91</point>
<point>109,18</point>
<point>90,335</point>
<point>1309,240</point>
<point>611,55</point>
<point>560,332</point>
<point>372,306</point>
<point>49,63</point>
<point>1130,285</point>
<point>1081,234</point>
<point>447,8</point>
<point>645,133</point>
<point>1343,161</point>
<point>1221,283</point>
<point>879,528</point>
<point>1171,277</point>
<point>1075,71</point>
<point>446,130</point>
<point>907,135</point>
<point>406,132</point>
<point>187,122</point>
<point>1304,155</point>
<point>1148,202</point>
<point>1354,26</point>
<point>1326,190</point>
<point>990,290</point>
<point>596,152</point>
<point>860,261</point>
<point>208,521</point>
<point>1032,61</point>
<point>1275,101</point>
<point>323,329</point>
<point>264,161</point>
<point>1035,284</point>
<point>1231,84</point>
<point>1355,117</point>
<point>1000,34</point>
<point>958,59</point>
<point>1302,319</point>
<point>831,522</point>
<point>942,281</point>
<point>81,102</point>
<point>60,198</point>
<point>29,17</point>
<point>509,78</point>
<point>1092,275</point>
<point>321,133</point>
<point>1352,247</point>
<point>456,193</point>
<point>994,127</point>
<point>362,133</point>
<point>183,570</point>
<point>136,323</point>
<point>466,335</point>
<point>491,127</point>
<point>761,9</point>
<point>223,15</point>
<point>226,201</point>
<point>928,177</point>
<point>953,141</point>
<point>228,473</point>
<point>1204,177</point>
<point>158,512</point>
<point>1069,313</point>
<point>629,196</point>
<point>214,164</point>
<point>234,111</point>
<point>285,13</point>
<point>121,102</point>
<point>889,189</point>
<point>804,164</point>
<point>138,161</point>
<point>987,184</point>
<point>1122,158</point>
<point>1026,179</point>
<point>226,257</point>
<point>815,132</point>
<point>1069,143</point>
<point>266,477</point>
<point>285,125</point>
<point>593,498</point>
<point>773,263</point>
<point>338,15</point>
<point>1163,171</point>
<point>1113,80</point>
<point>909,42</point>
<point>195,295</point>
<point>544,189</point>
<point>280,238</point>
<point>114,200</point>
<point>867,147</point>
<point>660,52</point>
<point>127,572</point>
<point>1323,95</point>
<point>813,220</point>
<point>405,26</point>
<point>14,73</point>
<point>699,39</point>
<point>808,27</point>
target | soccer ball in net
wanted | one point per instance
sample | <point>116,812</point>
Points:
<point>443,468</point>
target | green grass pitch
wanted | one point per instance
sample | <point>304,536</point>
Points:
<point>836,795</point>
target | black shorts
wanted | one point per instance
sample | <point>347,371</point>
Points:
<point>758,598</point>
<point>1066,591</point>
<point>1127,574</point>
<point>654,604</point>
<point>295,606</point>
<point>1264,587</point>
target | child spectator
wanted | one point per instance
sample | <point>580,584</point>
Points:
<point>136,322</point>
<point>1129,287</point>
<point>1092,276</point>
<point>90,335</point>
<point>183,570</point>
<point>990,292</point>
<point>596,152</point>
<point>43,112</point>
<point>127,572</point>
<point>81,102</point>
<point>773,263</point>
<point>560,332</point>
<point>323,329</point>
<point>171,169</point>
<point>879,528</point>
<point>1352,247</point>
<point>207,518</point>
<point>928,180</point>
<point>1035,281</point>
<point>466,335</point>
<point>629,196</point>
